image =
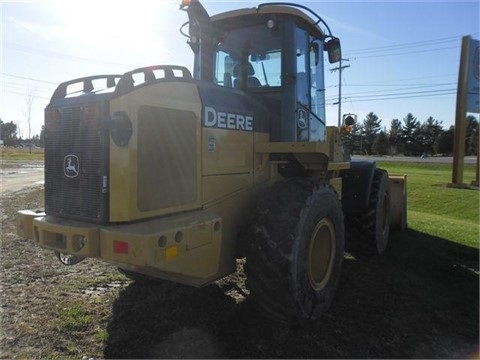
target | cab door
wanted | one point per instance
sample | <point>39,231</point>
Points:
<point>309,87</point>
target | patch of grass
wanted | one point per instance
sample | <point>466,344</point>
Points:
<point>101,335</point>
<point>96,281</point>
<point>435,209</point>
<point>72,348</point>
<point>460,231</point>
<point>75,317</point>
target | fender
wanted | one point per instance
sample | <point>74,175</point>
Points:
<point>357,184</point>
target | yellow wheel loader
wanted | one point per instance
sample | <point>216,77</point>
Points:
<point>175,176</point>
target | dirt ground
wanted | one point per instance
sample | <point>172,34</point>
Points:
<point>419,300</point>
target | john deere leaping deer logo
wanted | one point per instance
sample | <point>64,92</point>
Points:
<point>71,166</point>
<point>302,119</point>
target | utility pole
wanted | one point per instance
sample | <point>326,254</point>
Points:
<point>340,68</point>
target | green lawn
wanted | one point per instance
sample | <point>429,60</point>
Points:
<point>7,153</point>
<point>434,208</point>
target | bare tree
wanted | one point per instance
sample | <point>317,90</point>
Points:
<point>29,99</point>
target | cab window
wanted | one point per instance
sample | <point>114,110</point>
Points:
<point>248,58</point>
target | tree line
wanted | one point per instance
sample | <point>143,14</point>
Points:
<point>9,136</point>
<point>410,137</point>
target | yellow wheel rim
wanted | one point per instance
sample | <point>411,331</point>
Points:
<point>321,254</point>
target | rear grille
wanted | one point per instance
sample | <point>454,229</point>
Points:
<point>76,163</point>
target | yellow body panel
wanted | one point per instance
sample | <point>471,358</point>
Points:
<point>398,193</point>
<point>66,236</point>
<point>227,152</point>
<point>335,144</point>
<point>292,147</point>
<point>216,187</point>
<point>261,161</point>
<point>124,161</point>
<point>24,222</point>
<point>185,248</point>
<point>336,183</point>
<point>316,155</point>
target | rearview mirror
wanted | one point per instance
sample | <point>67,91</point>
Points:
<point>334,50</point>
<point>349,119</point>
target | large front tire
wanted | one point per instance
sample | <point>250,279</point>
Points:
<point>296,254</point>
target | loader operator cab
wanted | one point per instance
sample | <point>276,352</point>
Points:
<point>274,53</point>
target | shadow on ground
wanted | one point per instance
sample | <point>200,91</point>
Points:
<point>418,300</point>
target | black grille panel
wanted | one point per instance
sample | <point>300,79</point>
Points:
<point>76,162</point>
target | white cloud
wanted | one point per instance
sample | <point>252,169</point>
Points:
<point>341,26</point>
<point>45,32</point>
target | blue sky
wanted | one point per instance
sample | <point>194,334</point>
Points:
<point>403,55</point>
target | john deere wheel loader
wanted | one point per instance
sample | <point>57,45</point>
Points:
<point>175,176</point>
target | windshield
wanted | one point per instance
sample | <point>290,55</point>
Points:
<point>252,54</point>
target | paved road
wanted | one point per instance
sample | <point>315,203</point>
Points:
<point>16,175</point>
<point>431,159</point>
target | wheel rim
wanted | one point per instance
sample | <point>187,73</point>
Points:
<point>321,254</point>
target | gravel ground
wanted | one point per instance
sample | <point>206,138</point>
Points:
<point>36,289</point>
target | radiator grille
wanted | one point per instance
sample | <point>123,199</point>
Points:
<point>76,163</point>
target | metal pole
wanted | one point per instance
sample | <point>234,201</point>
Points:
<point>340,94</point>
<point>340,68</point>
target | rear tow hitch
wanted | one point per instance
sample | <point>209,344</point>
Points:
<point>67,259</point>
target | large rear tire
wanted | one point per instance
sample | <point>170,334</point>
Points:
<point>371,229</point>
<point>296,253</point>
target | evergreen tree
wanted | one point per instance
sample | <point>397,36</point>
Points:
<point>410,135</point>
<point>395,137</point>
<point>381,144</point>
<point>359,140</point>
<point>8,133</point>
<point>428,133</point>
<point>444,143</point>
<point>371,128</point>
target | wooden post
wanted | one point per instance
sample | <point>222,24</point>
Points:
<point>460,116</point>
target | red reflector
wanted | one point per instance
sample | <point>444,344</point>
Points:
<point>120,247</point>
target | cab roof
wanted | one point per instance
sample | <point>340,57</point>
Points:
<point>266,9</point>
